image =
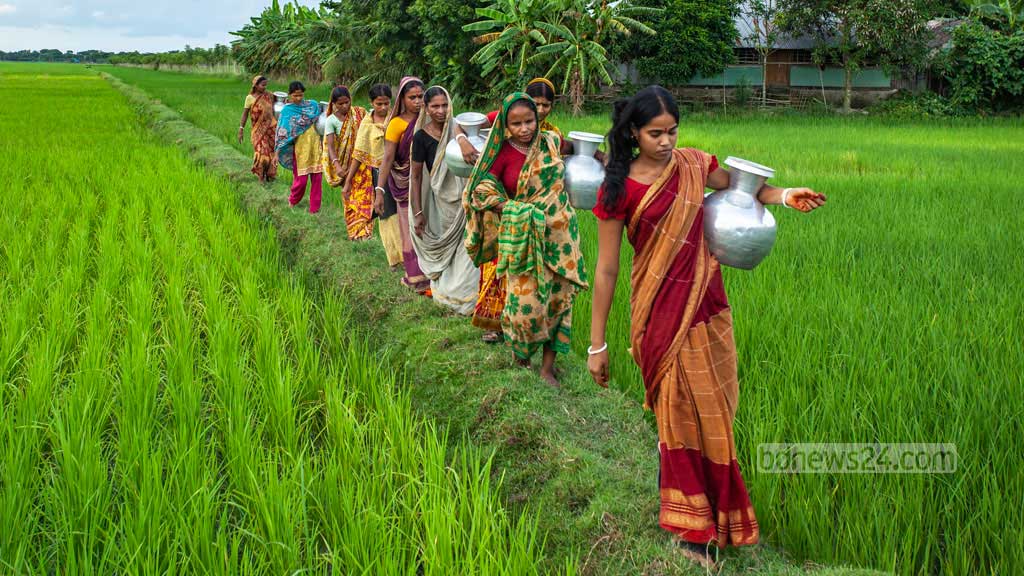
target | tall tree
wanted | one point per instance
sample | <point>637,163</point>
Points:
<point>762,20</point>
<point>577,47</point>
<point>693,36</point>
<point>857,32</point>
<point>448,50</point>
<point>508,35</point>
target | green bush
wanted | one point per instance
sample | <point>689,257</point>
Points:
<point>985,68</point>
<point>923,105</point>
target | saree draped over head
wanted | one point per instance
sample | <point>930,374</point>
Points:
<point>398,186</point>
<point>682,339</point>
<point>398,179</point>
<point>359,204</point>
<point>296,149</point>
<point>536,240</point>
<point>369,151</point>
<point>441,254</point>
<point>262,134</point>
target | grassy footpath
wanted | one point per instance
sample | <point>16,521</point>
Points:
<point>582,459</point>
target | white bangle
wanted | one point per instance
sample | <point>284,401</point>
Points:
<point>461,136</point>
<point>785,196</point>
<point>591,351</point>
<point>375,188</point>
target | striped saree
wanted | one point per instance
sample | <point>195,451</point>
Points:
<point>682,339</point>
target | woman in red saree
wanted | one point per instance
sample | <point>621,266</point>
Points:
<point>681,326</point>
<point>259,107</point>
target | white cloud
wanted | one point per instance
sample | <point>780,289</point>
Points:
<point>114,25</point>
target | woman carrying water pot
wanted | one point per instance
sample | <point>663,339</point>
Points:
<point>299,148</point>
<point>435,198</point>
<point>681,326</point>
<point>518,211</point>
<point>259,107</point>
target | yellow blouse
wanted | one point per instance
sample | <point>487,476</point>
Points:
<point>396,129</point>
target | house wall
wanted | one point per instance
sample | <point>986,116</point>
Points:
<point>809,77</point>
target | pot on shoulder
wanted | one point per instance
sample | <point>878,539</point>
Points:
<point>470,123</point>
<point>321,120</point>
<point>279,98</point>
<point>740,231</point>
<point>583,173</point>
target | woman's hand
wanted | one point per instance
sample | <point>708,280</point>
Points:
<point>469,152</point>
<point>598,366</point>
<point>499,208</point>
<point>420,224</point>
<point>804,199</point>
<point>340,171</point>
<point>346,189</point>
<point>241,132</point>
<point>378,201</point>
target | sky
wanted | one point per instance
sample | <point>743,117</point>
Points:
<point>123,25</point>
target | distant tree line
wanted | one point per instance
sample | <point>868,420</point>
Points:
<point>480,49</point>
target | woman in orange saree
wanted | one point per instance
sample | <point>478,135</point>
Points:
<point>259,107</point>
<point>343,120</point>
<point>681,326</point>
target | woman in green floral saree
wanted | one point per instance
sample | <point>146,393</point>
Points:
<point>518,210</point>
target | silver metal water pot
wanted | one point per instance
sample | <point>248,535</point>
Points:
<point>740,231</point>
<point>583,173</point>
<point>470,123</point>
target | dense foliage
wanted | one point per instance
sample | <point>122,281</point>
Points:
<point>985,68</point>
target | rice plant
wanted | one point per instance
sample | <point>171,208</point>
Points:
<point>173,400</point>
<point>893,315</point>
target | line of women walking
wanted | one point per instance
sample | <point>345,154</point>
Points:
<point>503,246</point>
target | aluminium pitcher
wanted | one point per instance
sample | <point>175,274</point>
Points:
<point>740,231</point>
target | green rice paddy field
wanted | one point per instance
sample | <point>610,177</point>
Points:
<point>173,400</point>
<point>895,314</point>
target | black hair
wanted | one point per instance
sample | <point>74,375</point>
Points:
<point>296,86</point>
<point>338,92</point>
<point>379,90</point>
<point>541,90</point>
<point>627,115</point>
<point>434,91</point>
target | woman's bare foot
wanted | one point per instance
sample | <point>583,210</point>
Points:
<point>551,377</point>
<point>522,362</point>
<point>699,554</point>
<point>491,337</point>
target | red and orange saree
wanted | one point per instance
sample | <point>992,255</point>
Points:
<point>682,339</point>
<point>263,135</point>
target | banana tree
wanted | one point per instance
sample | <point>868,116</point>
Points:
<point>509,33</point>
<point>582,63</point>
<point>580,58</point>
<point>1009,12</point>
